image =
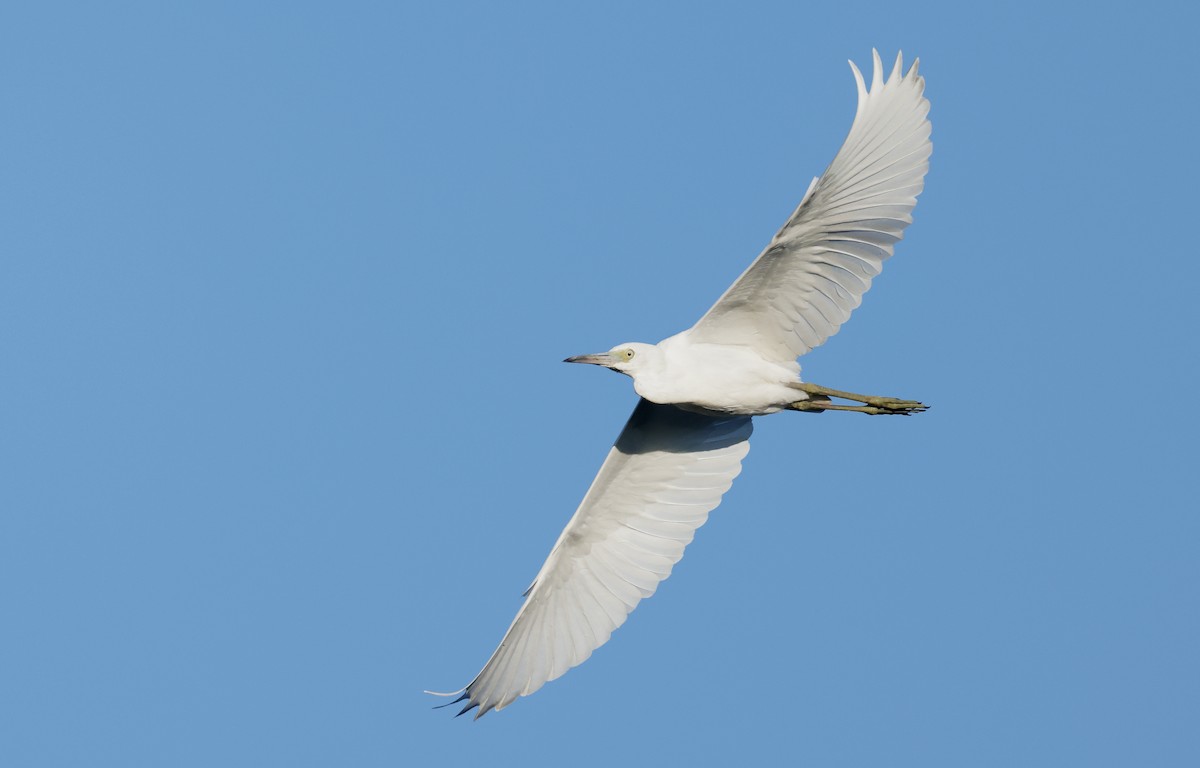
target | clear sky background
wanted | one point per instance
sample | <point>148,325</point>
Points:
<point>284,431</point>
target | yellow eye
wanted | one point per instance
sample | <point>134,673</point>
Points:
<point>627,355</point>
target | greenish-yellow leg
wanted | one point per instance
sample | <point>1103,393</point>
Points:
<point>819,401</point>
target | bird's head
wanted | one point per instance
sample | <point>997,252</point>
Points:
<point>629,359</point>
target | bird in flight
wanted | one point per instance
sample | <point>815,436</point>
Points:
<point>688,434</point>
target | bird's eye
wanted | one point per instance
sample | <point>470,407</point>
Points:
<point>627,354</point>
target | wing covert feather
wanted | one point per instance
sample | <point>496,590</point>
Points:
<point>666,472</point>
<point>815,270</point>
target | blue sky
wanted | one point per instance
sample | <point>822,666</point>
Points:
<point>284,292</point>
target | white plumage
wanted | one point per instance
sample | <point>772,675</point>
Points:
<point>666,472</point>
<point>813,274</point>
<point>686,439</point>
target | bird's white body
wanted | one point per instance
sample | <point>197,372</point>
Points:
<point>685,441</point>
<point>719,378</point>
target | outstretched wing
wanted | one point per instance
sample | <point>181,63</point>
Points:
<point>813,274</point>
<point>667,471</point>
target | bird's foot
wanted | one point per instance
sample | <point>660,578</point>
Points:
<point>819,400</point>
<point>894,406</point>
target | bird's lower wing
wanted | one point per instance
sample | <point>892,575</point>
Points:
<point>814,272</point>
<point>667,471</point>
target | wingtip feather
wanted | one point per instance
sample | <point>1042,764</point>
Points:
<point>462,691</point>
<point>857,74</point>
<point>862,87</point>
<point>450,703</point>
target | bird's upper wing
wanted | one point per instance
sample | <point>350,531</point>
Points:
<point>667,471</point>
<point>813,274</point>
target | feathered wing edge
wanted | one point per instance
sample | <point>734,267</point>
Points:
<point>666,472</point>
<point>816,269</point>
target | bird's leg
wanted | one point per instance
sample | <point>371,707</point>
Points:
<point>814,404</point>
<point>819,396</point>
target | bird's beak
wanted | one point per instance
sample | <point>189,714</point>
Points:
<point>602,358</point>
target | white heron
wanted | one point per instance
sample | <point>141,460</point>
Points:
<point>686,439</point>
